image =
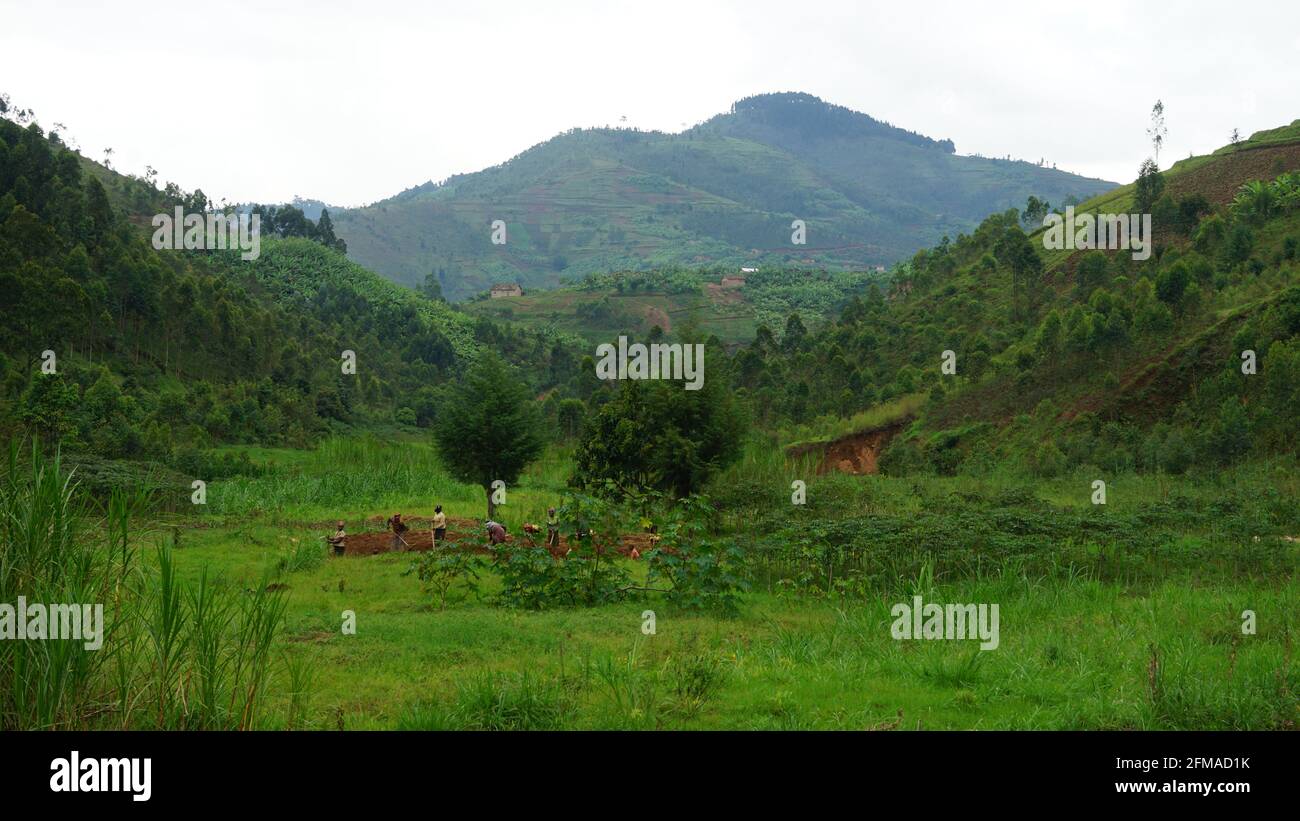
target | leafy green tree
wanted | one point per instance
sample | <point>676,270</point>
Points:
<point>1035,211</point>
<point>569,416</point>
<point>47,407</point>
<point>1090,273</point>
<point>655,434</point>
<point>1171,284</point>
<point>1049,334</point>
<point>1241,241</point>
<point>1256,201</point>
<point>432,287</point>
<point>795,333</point>
<point>489,428</point>
<point>1015,252</point>
<point>1190,210</point>
<point>1150,185</point>
<point>1229,437</point>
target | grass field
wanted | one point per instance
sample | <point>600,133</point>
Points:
<point>1079,648</point>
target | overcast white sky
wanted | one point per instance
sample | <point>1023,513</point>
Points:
<point>352,102</point>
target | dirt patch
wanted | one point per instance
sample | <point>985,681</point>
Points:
<point>656,316</point>
<point>468,535</point>
<point>857,454</point>
<point>1219,180</point>
<point>723,296</point>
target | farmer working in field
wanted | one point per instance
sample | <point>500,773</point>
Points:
<point>496,533</point>
<point>552,529</point>
<point>398,527</point>
<point>439,525</point>
<point>339,541</point>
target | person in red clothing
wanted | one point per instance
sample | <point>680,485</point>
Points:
<point>496,533</point>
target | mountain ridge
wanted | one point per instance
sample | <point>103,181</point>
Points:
<point>725,191</point>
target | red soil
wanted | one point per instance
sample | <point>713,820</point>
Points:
<point>857,454</point>
<point>466,534</point>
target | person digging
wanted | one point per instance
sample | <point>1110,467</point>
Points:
<point>552,530</point>
<point>339,541</point>
<point>398,527</point>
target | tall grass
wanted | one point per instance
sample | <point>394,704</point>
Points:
<point>827,428</point>
<point>172,656</point>
<point>359,474</point>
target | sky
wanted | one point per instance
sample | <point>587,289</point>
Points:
<point>353,102</point>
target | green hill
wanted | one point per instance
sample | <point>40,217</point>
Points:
<point>1075,358</point>
<point>158,355</point>
<point>635,302</point>
<point>726,191</point>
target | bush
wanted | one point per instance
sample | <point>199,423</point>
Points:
<point>443,571</point>
<point>1047,460</point>
<point>705,576</point>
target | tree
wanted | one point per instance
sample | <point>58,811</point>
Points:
<point>1016,252</point>
<point>1150,185</point>
<point>1241,241</point>
<point>325,233</point>
<point>655,434</point>
<point>1256,201</point>
<point>1035,211</point>
<point>490,428</point>
<point>570,415</point>
<point>432,287</point>
<point>1049,334</point>
<point>1156,133</point>
<point>1171,284</point>
<point>1090,273</point>
<point>795,333</point>
<point>47,406</point>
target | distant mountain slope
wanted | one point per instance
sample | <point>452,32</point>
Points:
<point>726,191</point>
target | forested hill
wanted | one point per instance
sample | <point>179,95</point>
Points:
<point>726,191</point>
<point>159,355</point>
<point>1187,360</point>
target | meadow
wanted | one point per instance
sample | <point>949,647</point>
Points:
<point>1129,616</point>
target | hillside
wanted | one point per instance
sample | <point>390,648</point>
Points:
<point>118,351</point>
<point>1078,358</point>
<point>602,306</point>
<point>726,191</point>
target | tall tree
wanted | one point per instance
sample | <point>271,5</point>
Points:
<point>489,428</point>
<point>1157,131</point>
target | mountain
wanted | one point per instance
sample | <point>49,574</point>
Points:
<point>726,191</point>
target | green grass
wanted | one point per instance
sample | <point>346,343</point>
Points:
<point>1072,655</point>
<point>367,476</point>
<point>1076,651</point>
<point>829,428</point>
